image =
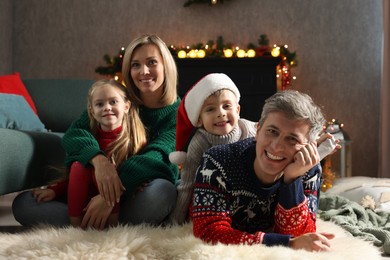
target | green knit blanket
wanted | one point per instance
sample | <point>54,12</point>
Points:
<point>359,221</point>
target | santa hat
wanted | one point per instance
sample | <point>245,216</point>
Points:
<point>189,110</point>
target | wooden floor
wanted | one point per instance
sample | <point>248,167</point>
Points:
<point>8,224</point>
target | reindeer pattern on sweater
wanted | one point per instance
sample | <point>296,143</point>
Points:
<point>231,206</point>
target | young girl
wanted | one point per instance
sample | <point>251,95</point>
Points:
<point>116,125</point>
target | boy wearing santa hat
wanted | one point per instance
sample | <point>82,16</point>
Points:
<point>208,115</point>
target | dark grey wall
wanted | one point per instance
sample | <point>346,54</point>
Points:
<point>338,45</point>
<point>5,36</point>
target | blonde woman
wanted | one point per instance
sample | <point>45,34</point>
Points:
<point>148,178</point>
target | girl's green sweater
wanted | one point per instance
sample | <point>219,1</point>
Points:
<point>151,163</point>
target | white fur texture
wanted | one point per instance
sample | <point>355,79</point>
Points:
<point>144,242</point>
<point>178,157</point>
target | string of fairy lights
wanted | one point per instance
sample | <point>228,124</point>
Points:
<point>284,75</point>
<point>218,49</point>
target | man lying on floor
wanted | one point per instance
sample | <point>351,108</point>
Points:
<point>264,190</point>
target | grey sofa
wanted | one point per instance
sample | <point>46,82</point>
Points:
<point>27,157</point>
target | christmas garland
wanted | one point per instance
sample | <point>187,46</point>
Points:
<point>114,64</point>
<point>219,49</point>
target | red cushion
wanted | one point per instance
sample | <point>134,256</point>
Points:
<point>12,84</point>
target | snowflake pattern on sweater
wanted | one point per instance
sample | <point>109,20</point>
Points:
<point>201,142</point>
<point>231,206</point>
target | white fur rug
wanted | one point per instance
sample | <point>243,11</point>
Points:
<point>143,242</point>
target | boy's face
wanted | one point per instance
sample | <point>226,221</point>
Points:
<point>277,141</point>
<point>219,113</point>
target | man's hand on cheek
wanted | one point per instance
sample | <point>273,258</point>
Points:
<point>306,158</point>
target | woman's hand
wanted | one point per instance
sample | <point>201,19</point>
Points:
<point>96,213</point>
<point>305,159</point>
<point>316,242</point>
<point>43,194</point>
<point>107,179</point>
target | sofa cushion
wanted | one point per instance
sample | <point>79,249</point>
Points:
<point>59,101</point>
<point>28,159</point>
<point>15,113</point>
<point>12,84</point>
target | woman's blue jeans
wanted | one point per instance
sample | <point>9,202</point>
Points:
<point>152,206</point>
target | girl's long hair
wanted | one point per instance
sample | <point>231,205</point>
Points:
<point>132,138</point>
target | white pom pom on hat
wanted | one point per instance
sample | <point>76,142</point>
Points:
<point>177,157</point>
<point>190,106</point>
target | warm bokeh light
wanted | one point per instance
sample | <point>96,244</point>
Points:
<point>192,54</point>
<point>275,52</point>
<point>182,54</point>
<point>228,53</point>
<point>241,53</point>
<point>201,54</point>
<point>251,53</point>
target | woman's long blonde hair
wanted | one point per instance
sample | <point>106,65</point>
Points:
<point>132,138</point>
